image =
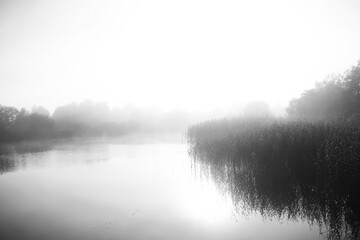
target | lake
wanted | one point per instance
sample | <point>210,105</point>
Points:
<point>115,190</point>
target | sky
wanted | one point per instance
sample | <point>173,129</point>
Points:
<point>186,54</point>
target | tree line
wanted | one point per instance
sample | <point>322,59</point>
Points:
<point>91,119</point>
<point>17,125</point>
<point>336,96</point>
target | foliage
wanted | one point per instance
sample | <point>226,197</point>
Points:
<point>40,110</point>
<point>339,95</point>
<point>33,126</point>
<point>7,118</point>
<point>85,120</point>
<point>20,125</point>
<point>86,113</point>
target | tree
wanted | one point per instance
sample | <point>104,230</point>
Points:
<point>40,110</point>
<point>352,88</point>
<point>33,126</point>
<point>326,99</point>
<point>8,116</point>
<point>87,112</point>
<point>337,96</point>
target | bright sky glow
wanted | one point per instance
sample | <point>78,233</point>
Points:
<point>170,54</point>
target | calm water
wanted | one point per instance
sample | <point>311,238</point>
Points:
<point>119,191</point>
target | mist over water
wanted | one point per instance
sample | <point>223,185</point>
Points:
<point>111,191</point>
<point>192,119</point>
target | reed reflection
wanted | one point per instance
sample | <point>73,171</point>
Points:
<point>279,189</point>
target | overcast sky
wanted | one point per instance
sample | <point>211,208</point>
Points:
<point>189,54</point>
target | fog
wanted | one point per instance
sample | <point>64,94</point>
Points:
<point>144,119</point>
<point>191,119</point>
<point>97,119</point>
<point>192,55</point>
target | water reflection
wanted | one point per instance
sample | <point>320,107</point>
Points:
<point>142,191</point>
<point>14,157</point>
<point>278,190</point>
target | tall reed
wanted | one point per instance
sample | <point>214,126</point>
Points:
<point>298,168</point>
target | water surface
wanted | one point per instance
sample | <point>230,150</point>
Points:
<point>85,190</point>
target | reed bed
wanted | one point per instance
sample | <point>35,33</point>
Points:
<point>294,168</point>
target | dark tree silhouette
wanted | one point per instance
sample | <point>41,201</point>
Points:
<point>351,84</point>
<point>327,98</point>
<point>338,96</point>
<point>33,126</point>
<point>8,116</point>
